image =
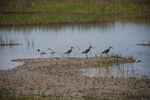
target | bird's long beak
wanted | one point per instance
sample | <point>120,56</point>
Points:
<point>36,50</point>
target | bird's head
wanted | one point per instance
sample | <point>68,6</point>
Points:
<point>37,50</point>
<point>110,47</point>
<point>90,47</point>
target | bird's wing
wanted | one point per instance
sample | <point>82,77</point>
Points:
<point>67,52</point>
<point>42,52</point>
<point>52,51</point>
<point>86,51</point>
<point>106,51</point>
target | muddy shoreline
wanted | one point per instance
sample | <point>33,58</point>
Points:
<point>143,44</point>
<point>58,23</point>
<point>63,75</point>
<point>9,44</point>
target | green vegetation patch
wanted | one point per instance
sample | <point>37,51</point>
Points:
<point>112,60</point>
<point>71,11</point>
<point>21,19</point>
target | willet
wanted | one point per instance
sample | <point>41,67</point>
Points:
<point>107,50</point>
<point>69,51</point>
<point>51,51</point>
<point>87,50</point>
<point>41,52</point>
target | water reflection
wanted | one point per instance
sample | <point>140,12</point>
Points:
<point>122,71</point>
<point>122,36</point>
<point>58,27</point>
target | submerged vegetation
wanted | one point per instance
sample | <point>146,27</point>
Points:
<point>4,41</point>
<point>144,44</point>
<point>26,12</point>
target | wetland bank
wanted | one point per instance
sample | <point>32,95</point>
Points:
<point>61,78</point>
<point>61,24</point>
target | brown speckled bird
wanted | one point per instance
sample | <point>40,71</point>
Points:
<point>87,50</point>
<point>69,51</point>
<point>107,50</point>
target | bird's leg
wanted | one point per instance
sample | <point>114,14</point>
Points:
<point>68,55</point>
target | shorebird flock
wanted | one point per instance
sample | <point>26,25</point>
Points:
<point>52,52</point>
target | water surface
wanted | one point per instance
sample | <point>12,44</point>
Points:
<point>122,36</point>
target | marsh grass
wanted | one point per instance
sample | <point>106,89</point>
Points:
<point>5,41</point>
<point>39,19</point>
<point>72,12</point>
<point>6,94</point>
<point>113,59</point>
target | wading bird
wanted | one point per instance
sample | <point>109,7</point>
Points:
<point>87,50</point>
<point>107,50</point>
<point>41,52</point>
<point>69,51</point>
<point>51,51</point>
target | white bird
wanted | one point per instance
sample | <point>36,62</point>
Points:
<point>51,51</point>
<point>41,52</point>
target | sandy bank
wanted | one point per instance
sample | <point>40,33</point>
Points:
<point>63,75</point>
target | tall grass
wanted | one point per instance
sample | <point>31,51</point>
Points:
<point>72,11</point>
<point>28,3</point>
<point>48,18</point>
<point>81,7</point>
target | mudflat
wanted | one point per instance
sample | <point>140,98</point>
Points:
<point>63,76</point>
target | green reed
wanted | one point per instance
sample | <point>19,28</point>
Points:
<point>48,18</point>
<point>57,12</point>
<point>81,7</point>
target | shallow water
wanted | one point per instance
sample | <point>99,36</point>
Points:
<point>121,35</point>
<point>122,71</point>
